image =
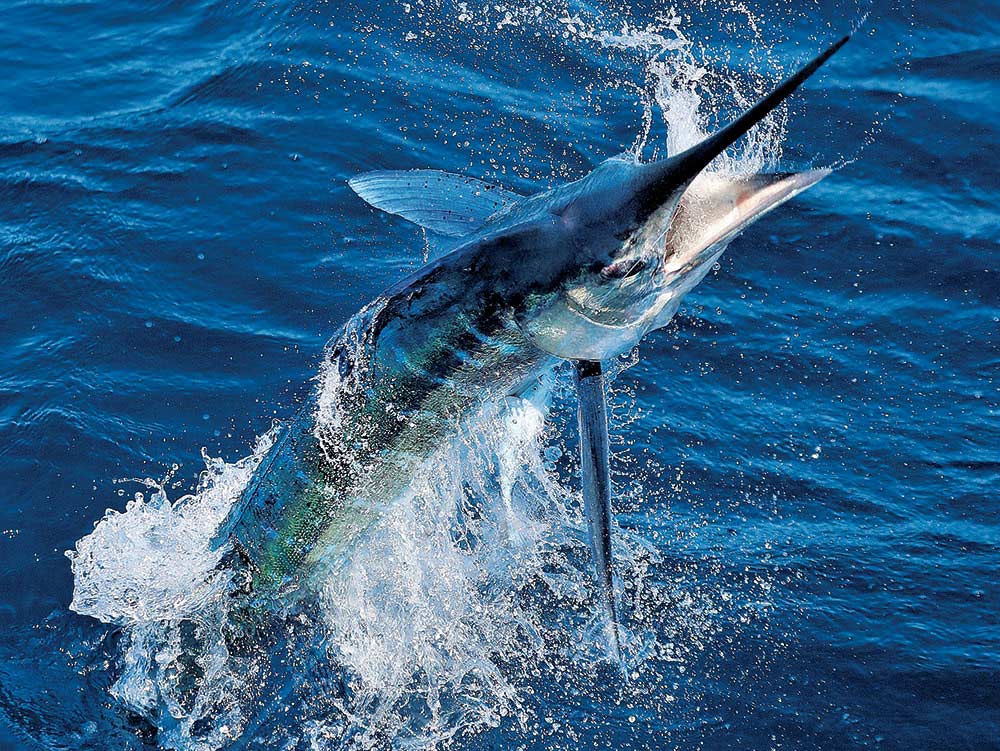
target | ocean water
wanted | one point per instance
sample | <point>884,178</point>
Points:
<point>805,460</point>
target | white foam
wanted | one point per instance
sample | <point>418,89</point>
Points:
<point>426,610</point>
<point>154,561</point>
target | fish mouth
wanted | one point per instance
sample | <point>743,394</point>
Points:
<point>662,182</point>
<point>715,208</point>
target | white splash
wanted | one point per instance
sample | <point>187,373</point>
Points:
<point>154,561</point>
<point>428,610</point>
<point>425,613</point>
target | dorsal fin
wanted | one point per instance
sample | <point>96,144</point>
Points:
<point>442,202</point>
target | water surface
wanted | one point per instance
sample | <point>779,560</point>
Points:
<point>806,459</point>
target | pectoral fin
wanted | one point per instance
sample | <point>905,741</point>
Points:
<point>596,479</point>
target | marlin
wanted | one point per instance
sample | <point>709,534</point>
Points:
<point>581,273</point>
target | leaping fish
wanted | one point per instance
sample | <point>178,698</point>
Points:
<point>581,272</point>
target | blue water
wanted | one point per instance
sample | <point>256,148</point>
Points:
<point>810,449</point>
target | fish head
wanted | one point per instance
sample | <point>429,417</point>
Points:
<point>629,240</point>
<point>629,280</point>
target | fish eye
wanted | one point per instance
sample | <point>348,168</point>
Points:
<point>638,266</point>
<point>623,269</point>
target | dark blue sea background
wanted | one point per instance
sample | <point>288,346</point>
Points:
<point>816,434</point>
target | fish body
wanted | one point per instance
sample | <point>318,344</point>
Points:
<point>403,374</point>
<point>580,273</point>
